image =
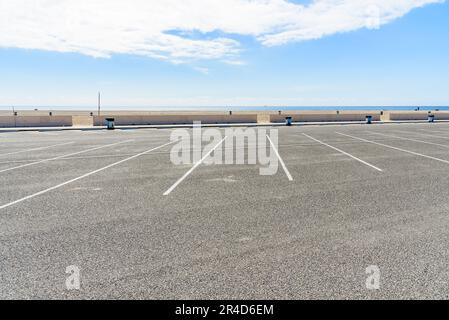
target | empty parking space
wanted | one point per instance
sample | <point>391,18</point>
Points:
<point>338,199</point>
<point>417,148</point>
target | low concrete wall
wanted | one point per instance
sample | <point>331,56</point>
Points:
<point>7,121</point>
<point>405,115</point>
<point>441,115</point>
<point>177,119</point>
<point>263,118</point>
<point>82,121</point>
<point>183,117</point>
<point>325,116</point>
<point>32,121</point>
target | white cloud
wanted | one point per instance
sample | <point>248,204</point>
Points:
<point>202,70</point>
<point>235,62</point>
<point>182,30</point>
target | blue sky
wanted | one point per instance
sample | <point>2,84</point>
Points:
<point>403,61</point>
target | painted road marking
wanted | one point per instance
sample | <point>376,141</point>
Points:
<point>395,148</point>
<point>36,149</point>
<point>422,134</point>
<point>103,156</point>
<point>345,153</point>
<point>173,187</point>
<point>437,131</point>
<point>414,140</point>
<point>63,156</point>
<point>82,177</point>
<point>289,176</point>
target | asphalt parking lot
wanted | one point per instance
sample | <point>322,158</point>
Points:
<point>347,198</point>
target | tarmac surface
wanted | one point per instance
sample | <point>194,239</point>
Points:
<point>344,198</point>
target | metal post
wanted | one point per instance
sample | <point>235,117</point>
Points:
<point>369,119</point>
<point>99,103</point>
<point>110,123</point>
<point>15,116</point>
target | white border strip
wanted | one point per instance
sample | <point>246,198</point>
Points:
<point>82,177</point>
<point>395,148</point>
<point>345,153</point>
<point>173,187</point>
<point>289,176</point>
<point>36,149</point>
<point>63,156</point>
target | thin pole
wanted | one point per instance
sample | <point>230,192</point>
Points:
<point>14,115</point>
<point>99,102</point>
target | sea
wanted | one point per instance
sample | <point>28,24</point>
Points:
<point>230,108</point>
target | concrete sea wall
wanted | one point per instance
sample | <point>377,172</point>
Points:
<point>88,119</point>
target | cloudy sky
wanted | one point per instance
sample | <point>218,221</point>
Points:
<point>224,52</point>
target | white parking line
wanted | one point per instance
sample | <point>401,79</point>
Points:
<point>395,148</point>
<point>422,134</point>
<point>36,149</point>
<point>173,187</point>
<point>437,131</point>
<point>345,153</point>
<point>289,176</point>
<point>414,140</point>
<point>63,156</point>
<point>83,176</point>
